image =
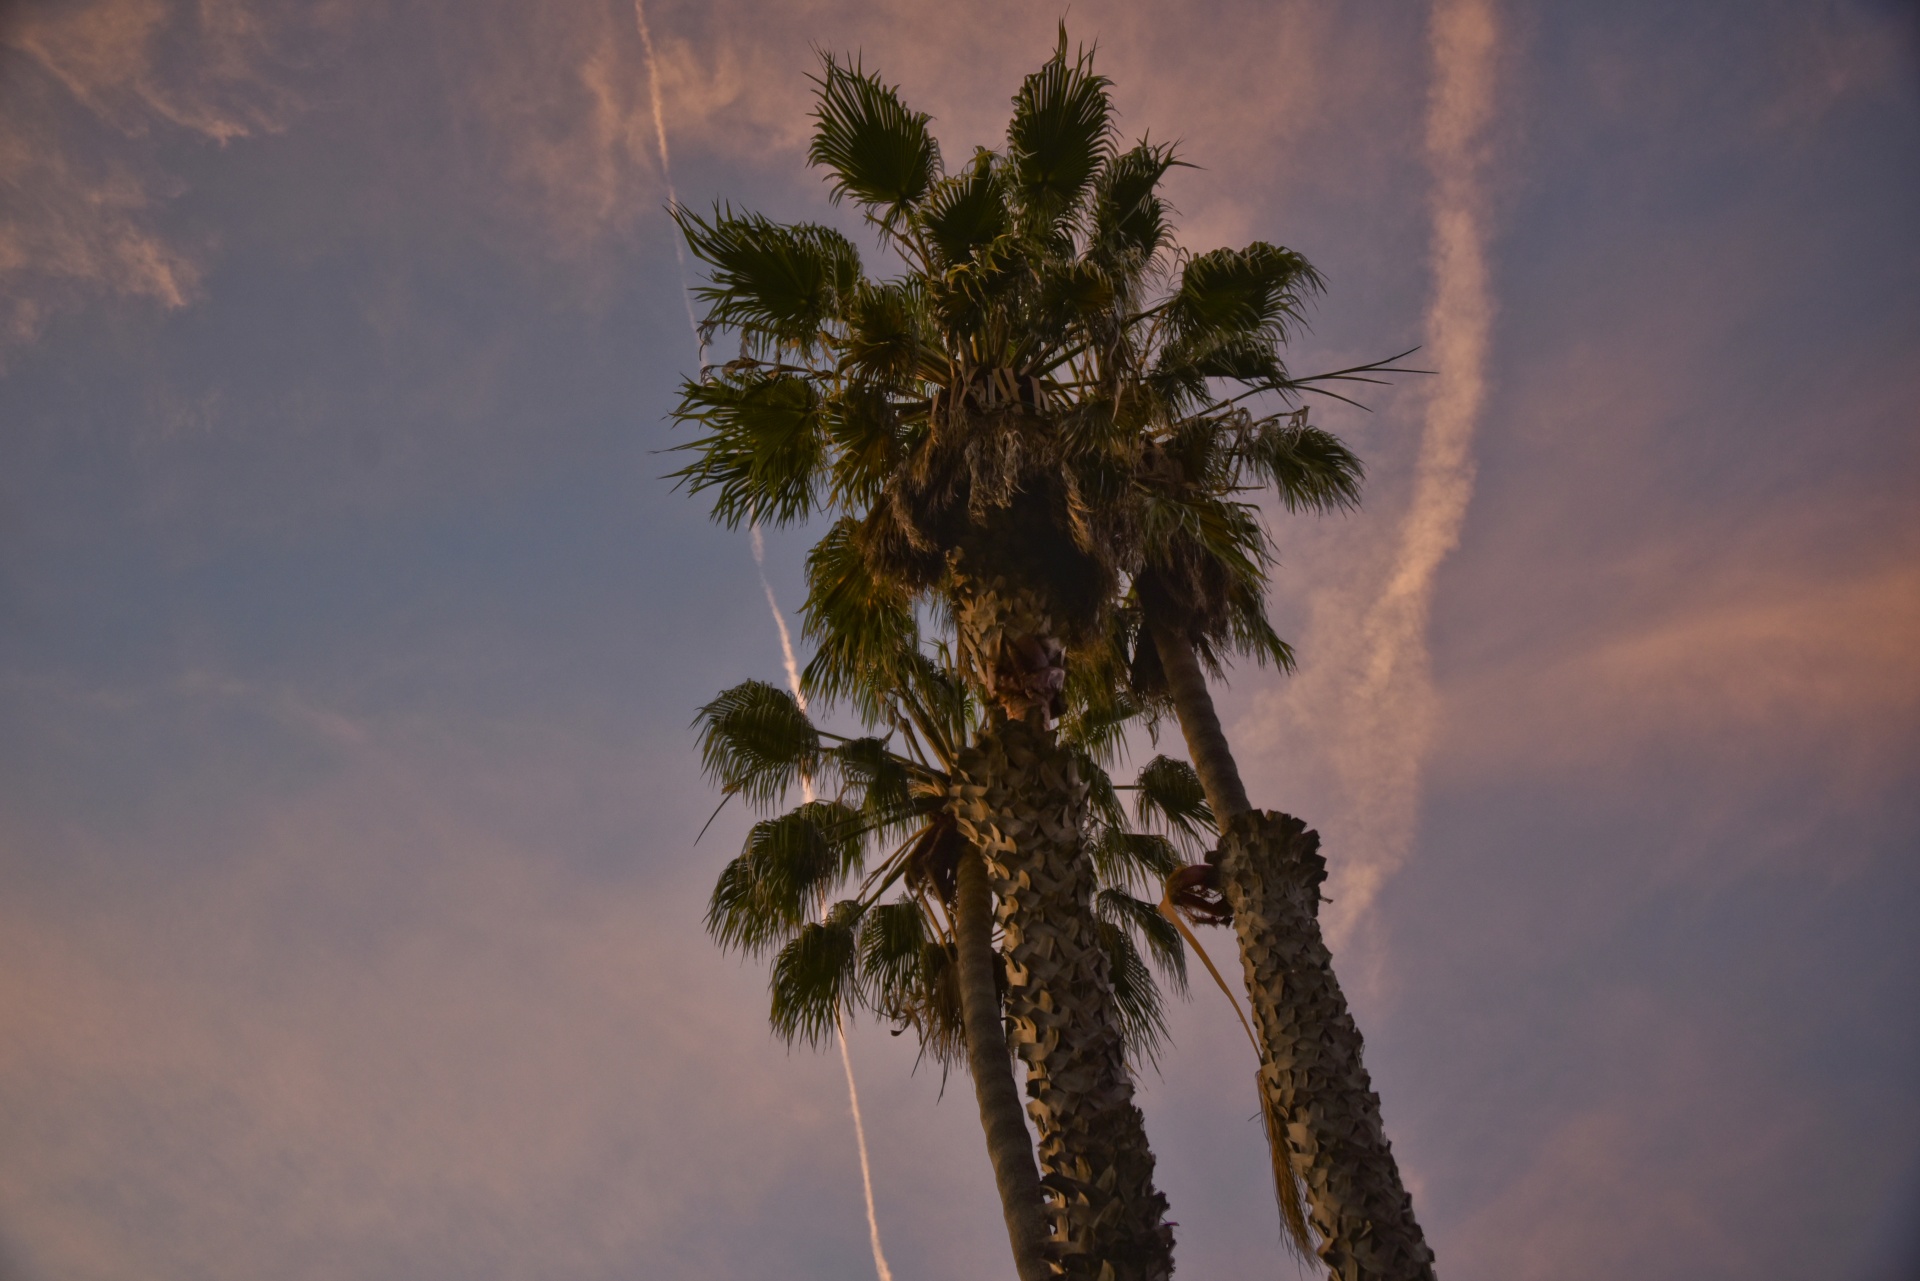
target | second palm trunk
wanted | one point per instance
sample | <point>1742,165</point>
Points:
<point>1019,798</point>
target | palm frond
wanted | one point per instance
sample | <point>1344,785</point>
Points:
<point>1248,632</point>
<point>1259,291</point>
<point>880,784</point>
<point>1311,469</point>
<point>1132,860</point>
<point>1170,797</point>
<point>861,626</point>
<point>885,341</point>
<point>1060,135</point>
<point>891,939</point>
<point>1136,998</point>
<point>789,864</point>
<point>865,438</point>
<point>1103,803</point>
<point>764,448</point>
<point>779,285</point>
<point>1144,919</point>
<point>877,150</point>
<point>967,213</point>
<point>755,742</point>
<point>1182,525</point>
<point>815,975</point>
<point>1130,219</point>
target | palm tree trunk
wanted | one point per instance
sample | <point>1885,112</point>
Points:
<point>1311,1076</point>
<point>1019,798</point>
<point>1008,1144</point>
<point>1199,724</point>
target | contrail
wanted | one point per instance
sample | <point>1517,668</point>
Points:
<point>779,619</point>
<point>666,165</point>
<point>806,790</point>
<point>866,1173</point>
<point>786,637</point>
<point>1394,700</point>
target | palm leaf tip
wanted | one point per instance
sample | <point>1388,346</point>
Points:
<point>1061,132</point>
<point>875,147</point>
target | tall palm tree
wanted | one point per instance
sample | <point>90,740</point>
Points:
<point>1026,433</point>
<point>926,959</point>
<point>906,405</point>
<point>1198,584</point>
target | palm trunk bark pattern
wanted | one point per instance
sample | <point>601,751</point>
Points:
<point>1018,797</point>
<point>1270,872</point>
<point>1312,1078</point>
<point>1008,1144</point>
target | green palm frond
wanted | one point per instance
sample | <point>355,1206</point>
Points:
<point>1099,705</point>
<point>908,975</point>
<point>789,864</point>
<point>1161,936</point>
<point>1244,358</point>
<point>1183,525</point>
<point>865,438</point>
<point>1257,292</point>
<point>755,742</point>
<point>1103,803</point>
<point>861,626</point>
<point>1130,218</point>
<point>1248,632</point>
<point>1133,860</point>
<point>967,213</point>
<point>885,344</point>
<point>1170,796</point>
<point>880,784</point>
<point>877,149</point>
<point>1310,469</point>
<point>1136,998</point>
<point>815,975</point>
<point>891,939</point>
<point>764,449</point>
<point>779,285</point>
<point>1060,135</point>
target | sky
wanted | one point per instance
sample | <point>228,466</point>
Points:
<point>350,894</point>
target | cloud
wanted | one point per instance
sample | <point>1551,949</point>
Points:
<point>1754,675</point>
<point>1371,712</point>
<point>87,87</point>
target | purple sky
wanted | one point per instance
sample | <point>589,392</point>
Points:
<point>349,899</point>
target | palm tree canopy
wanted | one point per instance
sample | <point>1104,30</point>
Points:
<point>1050,393</point>
<point>888,946</point>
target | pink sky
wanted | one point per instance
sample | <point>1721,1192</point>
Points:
<point>349,897</point>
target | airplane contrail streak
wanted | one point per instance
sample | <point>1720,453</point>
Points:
<point>779,619</point>
<point>666,165</point>
<point>806,790</point>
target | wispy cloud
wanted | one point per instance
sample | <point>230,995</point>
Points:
<point>1368,706</point>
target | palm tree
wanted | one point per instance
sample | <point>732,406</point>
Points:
<point>926,960</point>
<point>1025,434</point>
<point>1198,571</point>
<point>903,404</point>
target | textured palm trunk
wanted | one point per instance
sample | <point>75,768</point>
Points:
<point>1312,1078</point>
<point>1008,1144</point>
<point>1018,797</point>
